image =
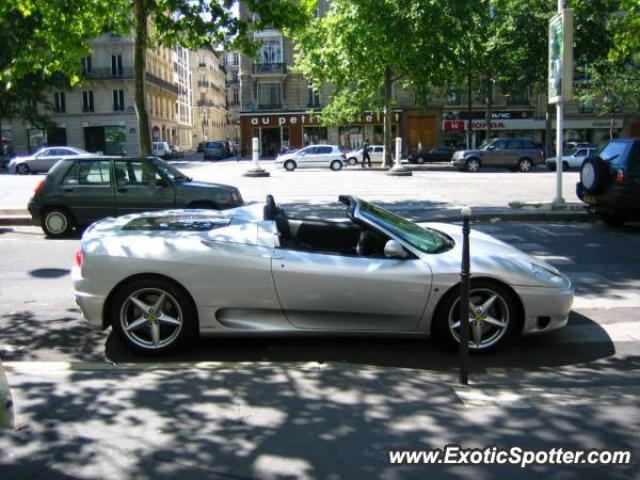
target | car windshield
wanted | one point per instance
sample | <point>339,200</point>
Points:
<point>173,173</point>
<point>486,143</point>
<point>426,240</point>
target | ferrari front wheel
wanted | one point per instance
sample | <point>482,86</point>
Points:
<point>493,316</point>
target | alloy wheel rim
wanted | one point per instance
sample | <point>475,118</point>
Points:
<point>151,318</point>
<point>473,166</point>
<point>289,166</point>
<point>489,318</point>
<point>525,165</point>
<point>56,222</point>
<point>22,169</point>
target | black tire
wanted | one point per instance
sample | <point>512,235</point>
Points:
<point>352,161</point>
<point>472,165</point>
<point>565,166</point>
<point>525,165</point>
<point>613,219</point>
<point>23,169</point>
<point>551,167</point>
<point>336,165</point>
<point>57,222</point>
<point>479,288</point>
<point>147,289</point>
<point>290,165</point>
<point>594,175</point>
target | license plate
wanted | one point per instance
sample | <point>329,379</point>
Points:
<point>590,199</point>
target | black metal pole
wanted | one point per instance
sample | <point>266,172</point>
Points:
<point>464,299</point>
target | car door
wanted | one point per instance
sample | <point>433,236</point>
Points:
<point>324,156</point>
<point>87,190</point>
<point>497,154</point>
<point>140,187</point>
<point>306,157</point>
<point>328,292</point>
<point>377,153</point>
<point>45,160</point>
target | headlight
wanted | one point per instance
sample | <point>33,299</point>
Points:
<point>548,276</point>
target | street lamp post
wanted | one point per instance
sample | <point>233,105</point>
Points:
<point>465,287</point>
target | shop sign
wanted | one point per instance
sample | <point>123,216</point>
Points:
<point>103,124</point>
<point>310,119</point>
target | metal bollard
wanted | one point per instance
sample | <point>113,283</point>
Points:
<point>464,298</point>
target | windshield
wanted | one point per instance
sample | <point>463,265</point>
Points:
<point>486,143</point>
<point>171,172</point>
<point>426,240</point>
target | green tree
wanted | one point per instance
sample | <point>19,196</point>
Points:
<point>362,48</point>
<point>42,43</point>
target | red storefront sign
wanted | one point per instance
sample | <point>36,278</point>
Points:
<point>460,125</point>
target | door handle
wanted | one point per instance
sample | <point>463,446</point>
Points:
<point>68,189</point>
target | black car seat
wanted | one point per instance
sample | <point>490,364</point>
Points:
<point>368,244</point>
<point>273,212</point>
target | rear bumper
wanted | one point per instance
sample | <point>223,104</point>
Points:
<point>545,309</point>
<point>89,298</point>
<point>615,198</point>
<point>35,209</point>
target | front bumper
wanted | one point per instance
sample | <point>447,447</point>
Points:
<point>89,298</point>
<point>545,309</point>
<point>35,210</point>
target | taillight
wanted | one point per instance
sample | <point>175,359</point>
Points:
<point>79,257</point>
<point>38,188</point>
<point>620,176</point>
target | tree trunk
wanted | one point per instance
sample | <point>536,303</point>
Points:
<point>469,102</point>
<point>387,117</point>
<point>1,139</point>
<point>140,67</point>
<point>489,107</point>
<point>611,128</point>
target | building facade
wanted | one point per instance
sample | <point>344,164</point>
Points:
<point>234,96</point>
<point>208,77</point>
<point>100,115</point>
<point>184,104</point>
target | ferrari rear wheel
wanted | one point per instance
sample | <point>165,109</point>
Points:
<point>153,316</point>
<point>493,316</point>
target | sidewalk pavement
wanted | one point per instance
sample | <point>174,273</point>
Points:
<point>516,212</point>
<point>307,420</point>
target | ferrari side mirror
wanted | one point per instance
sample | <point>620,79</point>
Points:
<point>393,249</point>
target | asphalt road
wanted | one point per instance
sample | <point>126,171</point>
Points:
<point>40,321</point>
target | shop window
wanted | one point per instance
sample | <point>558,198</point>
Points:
<point>314,135</point>
<point>350,137</point>
<point>114,138</point>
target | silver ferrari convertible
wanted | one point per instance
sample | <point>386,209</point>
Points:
<point>162,278</point>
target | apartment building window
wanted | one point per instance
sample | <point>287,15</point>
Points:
<point>586,106</point>
<point>59,102</point>
<point>87,101</point>
<point>86,64</point>
<point>269,95</point>
<point>270,50</point>
<point>118,100</point>
<point>313,97</point>
<point>116,65</point>
<point>518,98</point>
<point>454,95</point>
<point>236,96</point>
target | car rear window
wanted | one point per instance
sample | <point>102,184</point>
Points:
<point>89,172</point>
<point>614,152</point>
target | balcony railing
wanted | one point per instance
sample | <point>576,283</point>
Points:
<point>269,106</point>
<point>107,73</point>
<point>203,83</point>
<point>262,68</point>
<point>207,103</point>
<point>158,82</point>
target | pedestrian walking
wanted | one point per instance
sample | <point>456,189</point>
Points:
<point>365,153</point>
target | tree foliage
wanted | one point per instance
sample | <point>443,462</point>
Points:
<point>364,47</point>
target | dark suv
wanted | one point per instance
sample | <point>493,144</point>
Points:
<point>610,181</point>
<point>78,191</point>
<point>520,154</point>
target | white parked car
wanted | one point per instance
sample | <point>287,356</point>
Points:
<point>313,156</point>
<point>160,149</point>
<point>571,161</point>
<point>376,152</point>
<point>44,159</point>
